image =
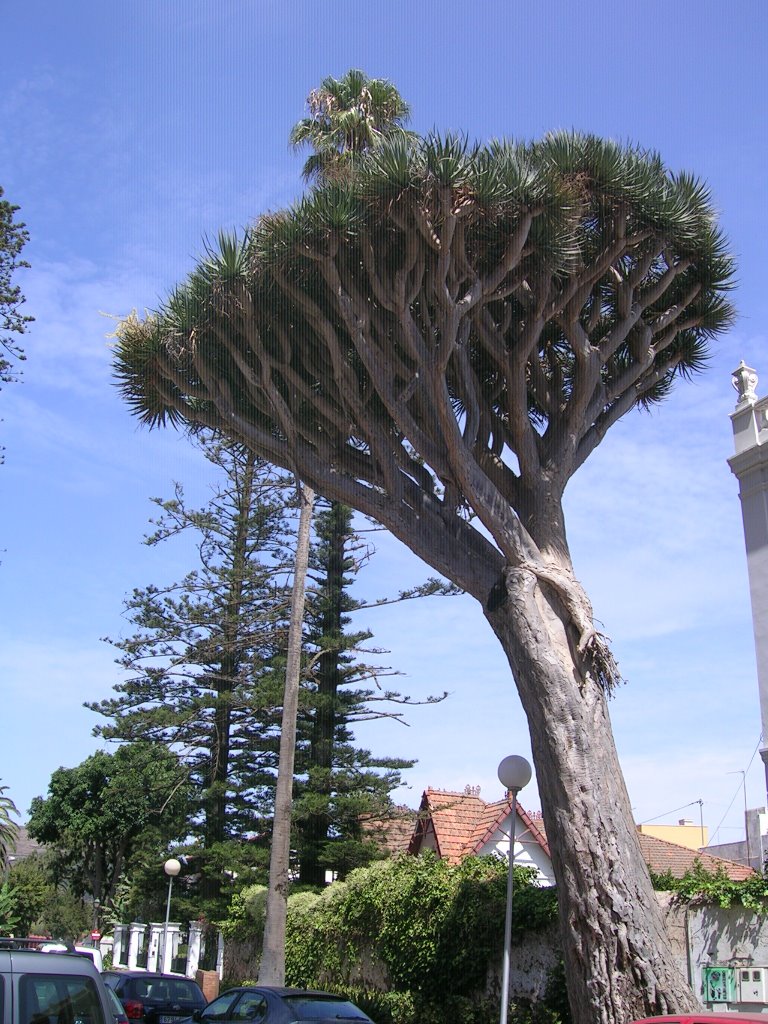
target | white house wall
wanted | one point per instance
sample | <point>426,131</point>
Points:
<point>528,853</point>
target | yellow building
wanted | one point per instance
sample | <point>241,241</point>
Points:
<point>684,833</point>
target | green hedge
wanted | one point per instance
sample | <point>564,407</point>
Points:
<point>411,939</point>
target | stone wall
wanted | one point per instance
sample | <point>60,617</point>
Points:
<point>531,963</point>
<point>701,937</point>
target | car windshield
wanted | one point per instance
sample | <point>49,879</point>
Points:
<point>323,1007</point>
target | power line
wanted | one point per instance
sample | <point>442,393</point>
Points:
<point>730,805</point>
<point>673,811</point>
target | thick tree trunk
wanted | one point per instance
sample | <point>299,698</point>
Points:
<point>619,963</point>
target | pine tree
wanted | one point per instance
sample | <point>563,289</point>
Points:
<point>200,659</point>
<point>13,237</point>
<point>341,783</point>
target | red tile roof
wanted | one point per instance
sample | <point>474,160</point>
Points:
<point>450,818</point>
<point>462,823</point>
<point>392,833</point>
<point>662,856</point>
<point>493,819</point>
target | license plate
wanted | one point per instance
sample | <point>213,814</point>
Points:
<point>164,1019</point>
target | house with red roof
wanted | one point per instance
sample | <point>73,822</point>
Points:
<point>458,825</point>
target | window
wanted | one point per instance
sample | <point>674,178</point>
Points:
<point>252,1007</point>
<point>59,999</point>
<point>317,1007</point>
<point>220,1008</point>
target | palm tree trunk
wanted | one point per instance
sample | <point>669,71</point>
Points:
<point>272,966</point>
<point>329,679</point>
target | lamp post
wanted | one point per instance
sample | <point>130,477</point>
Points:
<point>514,772</point>
<point>171,867</point>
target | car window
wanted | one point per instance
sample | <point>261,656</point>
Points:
<point>251,1007</point>
<point>138,988</point>
<point>59,999</point>
<point>181,991</point>
<point>220,1008</point>
<point>117,1006</point>
<point>317,1007</point>
<point>159,992</point>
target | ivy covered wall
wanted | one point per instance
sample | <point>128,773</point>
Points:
<point>414,928</point>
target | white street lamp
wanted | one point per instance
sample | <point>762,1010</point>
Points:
<point>171,867</point>
<point>514,773</point>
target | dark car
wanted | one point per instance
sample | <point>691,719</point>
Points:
<point>265,1004</point>
<point>155,998</point>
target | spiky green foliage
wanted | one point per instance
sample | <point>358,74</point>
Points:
<point>561,258</point>
<point>439,339</point>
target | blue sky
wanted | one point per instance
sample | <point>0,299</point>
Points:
<point>130,131</point>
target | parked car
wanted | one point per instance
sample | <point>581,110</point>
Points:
<point>62,947</point>
<point>45,988</point>
<point>266,1004</point>
<point>155,998</point>
<point>706,1017</point>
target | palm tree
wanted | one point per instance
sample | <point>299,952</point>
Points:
<point>347,116</point>
<point>9,829</point>
<point>272,965</point>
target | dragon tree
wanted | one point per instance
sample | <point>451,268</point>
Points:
<point>440,339</point>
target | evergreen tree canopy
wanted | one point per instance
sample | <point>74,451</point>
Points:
<point>492,309</point>
<point>13,238</point>
<point>201,677</point>
<point>206,669</point>
<point>339,784</point>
